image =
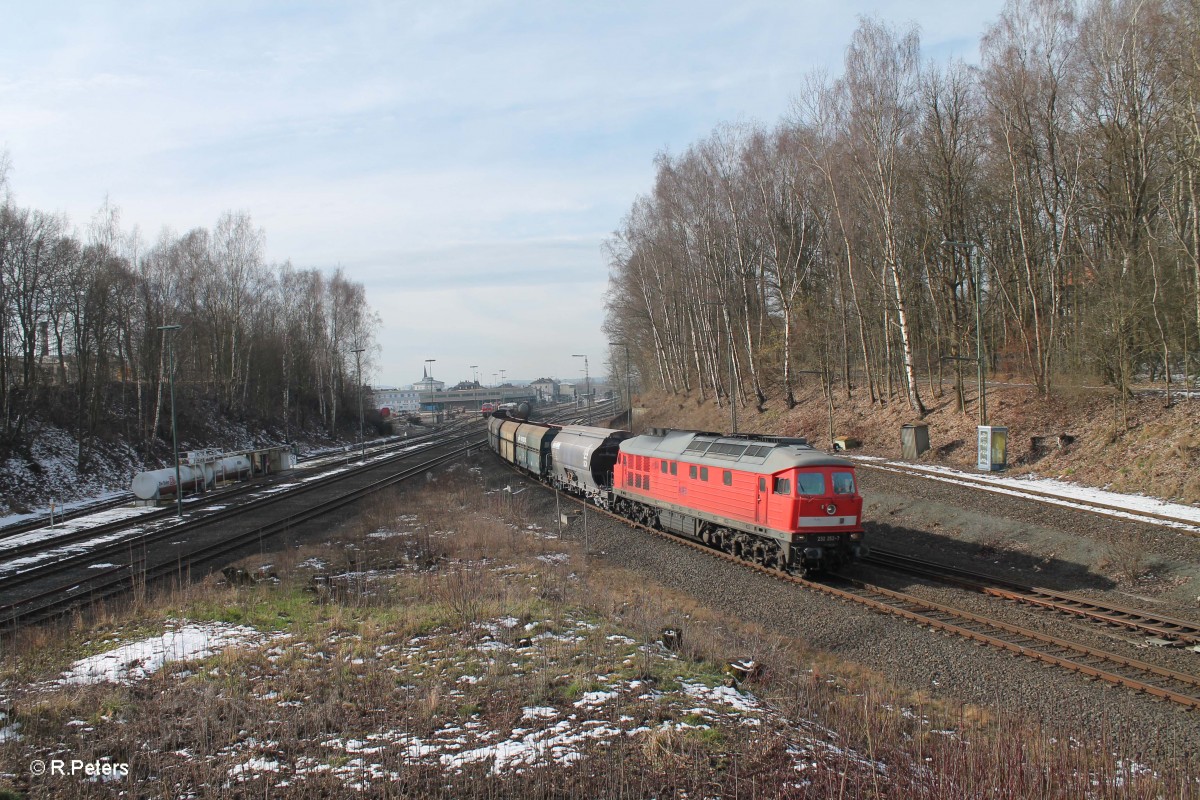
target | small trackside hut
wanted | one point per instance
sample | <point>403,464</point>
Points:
<point>775,501</point>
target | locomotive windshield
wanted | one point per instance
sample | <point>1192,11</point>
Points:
<point>810,483</point>
<point>843,483</point>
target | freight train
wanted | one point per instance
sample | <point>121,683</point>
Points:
<point>772,500</point>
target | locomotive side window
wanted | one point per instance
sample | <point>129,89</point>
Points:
<point>843,483</point>
<point>783,486</point>
<point>692,472</point>
<point>810,483</point>
<point>727,477</point>
<point>704,473</point>
<point>762,484</point>
<point>663,464</point>
<point>673,467</point>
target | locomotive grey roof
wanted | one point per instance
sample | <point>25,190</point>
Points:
<point>752,453</point>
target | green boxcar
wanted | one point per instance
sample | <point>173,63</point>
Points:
<point>532,447</point>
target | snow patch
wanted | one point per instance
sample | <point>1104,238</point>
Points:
<point>143,658</point>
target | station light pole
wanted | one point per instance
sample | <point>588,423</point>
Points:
<point>429,383</point>
<point>587,378</point>
<point>174,432</point>
<point>358,351</point>
<point>976,277</point>
<point>475,384</point>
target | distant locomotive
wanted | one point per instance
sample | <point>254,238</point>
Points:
<point>487,408</point>
<point>770,500</point>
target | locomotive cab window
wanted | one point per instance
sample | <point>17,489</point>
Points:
<point>727,477</point>
<point>673,465</point>
<point>663,464</point>
<point>783,486</point>
<point>843,483</point>
<point>692,471</point>
<point>762,484</point>
<point>810,483</point>
<point>704,473</point>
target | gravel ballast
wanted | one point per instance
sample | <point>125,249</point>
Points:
<point>1018,539</point>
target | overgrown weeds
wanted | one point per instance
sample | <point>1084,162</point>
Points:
<point>462,651</point>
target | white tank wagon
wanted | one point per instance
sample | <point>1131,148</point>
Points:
<point>200,470</point>
<point>231,468</point>
<point>159,484</point>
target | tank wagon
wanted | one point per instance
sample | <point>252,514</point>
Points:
<point>202,470</point>
<point>774,501</point>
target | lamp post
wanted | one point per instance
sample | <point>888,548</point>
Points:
<point>977,279</point>
<point>587,383</point>
<point>475,384</point>
<point>358,364</point>
<point>429,384</point>
<point>174,434</point>
<point>628,385</point>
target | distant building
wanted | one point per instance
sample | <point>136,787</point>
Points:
<point>428,384</point>
<point>397,401</point>
<point>546,389</point>
<point>566,391</point>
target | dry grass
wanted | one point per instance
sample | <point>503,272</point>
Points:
<point>400,635</point>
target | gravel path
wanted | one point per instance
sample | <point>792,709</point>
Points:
<point>1023,540</point>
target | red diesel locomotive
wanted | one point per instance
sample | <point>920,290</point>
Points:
<point>772,500</point>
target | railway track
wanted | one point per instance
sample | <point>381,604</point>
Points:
<point>57,587</point>
<point>1094,663</point>
<point>1163,629</point>
<point>20,545</point>
<point>1187,525</point>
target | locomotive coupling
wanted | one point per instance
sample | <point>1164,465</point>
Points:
<point>813,555</point>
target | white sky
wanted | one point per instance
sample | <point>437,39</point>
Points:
<point>463,160</point>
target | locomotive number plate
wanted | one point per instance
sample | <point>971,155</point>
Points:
<point>827,539</point>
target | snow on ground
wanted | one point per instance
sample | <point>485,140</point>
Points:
<point>59,508</point>
<point>77,524</point>
<point>545,734</point>
<point>131,513</point>
<point>56,454</point>
<point>143,658</point>
<point>361,758</point>
<point>1067,494</point>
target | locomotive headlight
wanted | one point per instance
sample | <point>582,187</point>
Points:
<point>854,537</point>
